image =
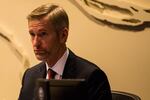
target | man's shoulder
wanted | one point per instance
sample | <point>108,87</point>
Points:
<point>87,64</point>
<point>88,69</point>
<point>36,67</point>
<point>83,63</point>
<point>33,72</point>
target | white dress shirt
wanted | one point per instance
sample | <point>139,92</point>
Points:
<point>59,66</point>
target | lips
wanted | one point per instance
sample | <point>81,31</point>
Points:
<point>39,52</point>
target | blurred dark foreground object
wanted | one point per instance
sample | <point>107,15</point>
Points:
<point>65,89</point>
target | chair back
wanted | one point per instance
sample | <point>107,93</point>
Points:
<point>119,95</point>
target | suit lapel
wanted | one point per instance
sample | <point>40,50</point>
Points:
<point>70,69</point>
<point>41,71</point>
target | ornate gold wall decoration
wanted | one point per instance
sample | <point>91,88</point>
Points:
<point>115,14</point>
<point>16,49</point>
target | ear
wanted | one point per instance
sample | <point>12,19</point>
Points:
<point>63,35</point>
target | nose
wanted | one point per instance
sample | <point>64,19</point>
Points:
<point>36,42</point>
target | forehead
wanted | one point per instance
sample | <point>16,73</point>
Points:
<point>39,24</point>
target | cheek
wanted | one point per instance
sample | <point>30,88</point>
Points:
<point>50,43</point>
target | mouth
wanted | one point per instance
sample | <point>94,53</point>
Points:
<point>39,52</point>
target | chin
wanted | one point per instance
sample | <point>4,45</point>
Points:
<point>41,58</point>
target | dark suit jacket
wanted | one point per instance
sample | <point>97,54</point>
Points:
<point>97,84</point>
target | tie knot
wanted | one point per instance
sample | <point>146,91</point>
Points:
<point>51,74</point>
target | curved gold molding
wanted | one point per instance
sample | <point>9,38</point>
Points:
<point>16,49</point>
<point>115,14</point>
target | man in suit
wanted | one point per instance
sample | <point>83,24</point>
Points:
<point>48,28</point>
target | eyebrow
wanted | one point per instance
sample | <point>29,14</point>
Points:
<point>40,30</point>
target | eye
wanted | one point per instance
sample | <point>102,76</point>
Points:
<point>32,34</point>
<point>43,34</point>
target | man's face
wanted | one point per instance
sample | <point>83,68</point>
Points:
<point>46,42</point>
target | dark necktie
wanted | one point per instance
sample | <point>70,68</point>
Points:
<point>51,74</point>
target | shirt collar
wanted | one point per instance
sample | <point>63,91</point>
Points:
<point>60,64</point>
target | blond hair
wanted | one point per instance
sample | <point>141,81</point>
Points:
<point>56,15</point>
